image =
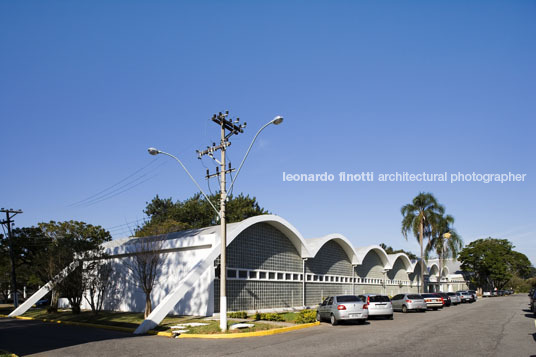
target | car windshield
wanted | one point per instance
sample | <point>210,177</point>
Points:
<point>414,297</point>
<point>379,298</point>
<point>348,298</point>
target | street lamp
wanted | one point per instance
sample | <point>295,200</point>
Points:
<point>221,214</point>
<point>276,121</point>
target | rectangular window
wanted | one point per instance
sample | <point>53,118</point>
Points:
<point>301,276</point>
<point>295,277</point>
<point>242,274</point>
<point>280,276</point>
<point>271,275</point>
<point>253,275</point>
<point>288,276</point>
<point>231,273</point>
<point>320,278</point>
<point>336,279</point>
<point>315,277</point>
<point>262,275</point>
<point>308,277</point>
<point>332,278</point>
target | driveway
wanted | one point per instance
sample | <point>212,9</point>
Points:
<point>500,326</point>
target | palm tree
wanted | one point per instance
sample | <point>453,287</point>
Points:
<point>444,241</point>
<point>418,217</point>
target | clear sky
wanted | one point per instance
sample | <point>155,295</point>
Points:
<point>413,86</point>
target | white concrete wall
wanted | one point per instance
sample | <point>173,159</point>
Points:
<point>125,295</point>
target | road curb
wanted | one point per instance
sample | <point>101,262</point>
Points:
<point>251,334</point>
<point>170,334</point>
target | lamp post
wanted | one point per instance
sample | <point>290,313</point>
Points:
<point>446,236</point>
<point>225,124</point>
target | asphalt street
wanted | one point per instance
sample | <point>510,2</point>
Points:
<point>500,326</point>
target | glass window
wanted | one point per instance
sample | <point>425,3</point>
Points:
<point>330,301</point>
<point>348,298</point>
<point>308,277</point>
<point>262,275</point>
<point>242,274</point>
<point>295,277</point>
<point>280,276</point>
<point>320,278</point>
<point>231,273</point>
<point>271,275</point>
<point>288,276</point>
<point>315,277</point>
<point>253,275</point>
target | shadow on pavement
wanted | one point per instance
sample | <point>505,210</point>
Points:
<point>24,337</point>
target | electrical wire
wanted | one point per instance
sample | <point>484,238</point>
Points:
<point>114,185</point>
<point>121,189</point>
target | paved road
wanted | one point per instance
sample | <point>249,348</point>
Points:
<point>500,326</point>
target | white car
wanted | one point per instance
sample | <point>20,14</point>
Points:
<point>486,294</point>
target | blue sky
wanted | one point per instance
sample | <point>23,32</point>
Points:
<point>410,86</point>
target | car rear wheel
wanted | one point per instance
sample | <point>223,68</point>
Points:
<point>333,320</point>
<point>404,308</point>
<point>318,316</point>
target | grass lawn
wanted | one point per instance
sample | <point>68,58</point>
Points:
<point>132,320</point>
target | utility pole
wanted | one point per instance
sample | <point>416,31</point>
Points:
<point>233,128</point>
<point>10,213</point>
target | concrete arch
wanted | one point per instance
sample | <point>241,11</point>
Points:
<point>445,271</point>
<point>277,222</point>
<point>315,244</point>
<point>362,253</point>
<point>433,270</point>
<point>405,260</point>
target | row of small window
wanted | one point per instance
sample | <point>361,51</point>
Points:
<point>263,275</point>
<point>285,276</point>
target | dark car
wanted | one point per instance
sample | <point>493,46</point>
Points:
<point>446,299</point>
<point>532,298</point>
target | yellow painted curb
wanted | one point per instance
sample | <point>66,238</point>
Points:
<point>170,334</point>
<point>251,334</point>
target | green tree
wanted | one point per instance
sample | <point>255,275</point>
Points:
<point>491,263</point>
<point>418,217</point>
<point>444,240</point>
<point>194,212</point>
<point>70,241</point>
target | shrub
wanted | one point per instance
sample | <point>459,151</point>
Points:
<point>306,316</point>
<point>238,315</point>
<point>268,317</point>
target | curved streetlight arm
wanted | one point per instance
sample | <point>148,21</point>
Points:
<point>275,121</point>
<point>188,172</point>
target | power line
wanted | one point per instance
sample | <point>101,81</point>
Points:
<point>100,193</point>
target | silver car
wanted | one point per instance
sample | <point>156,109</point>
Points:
<point>378,305</point>
<point>342,307</point>
<point>408,302</point>
<point>455,298</point>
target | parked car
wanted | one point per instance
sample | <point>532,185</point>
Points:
<point>378,305</point>
<point>433,301</point>
<point>342,307</point>
<point>466,297</point>
<point>42,302</point>
<point>454,298</point>
<point>472,292</point>
<point>486,294</point>
<point>408,302</point>
<point>532,298</point>
<point>446,299</point>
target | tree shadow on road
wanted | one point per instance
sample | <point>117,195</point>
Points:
<point>24,337</point>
